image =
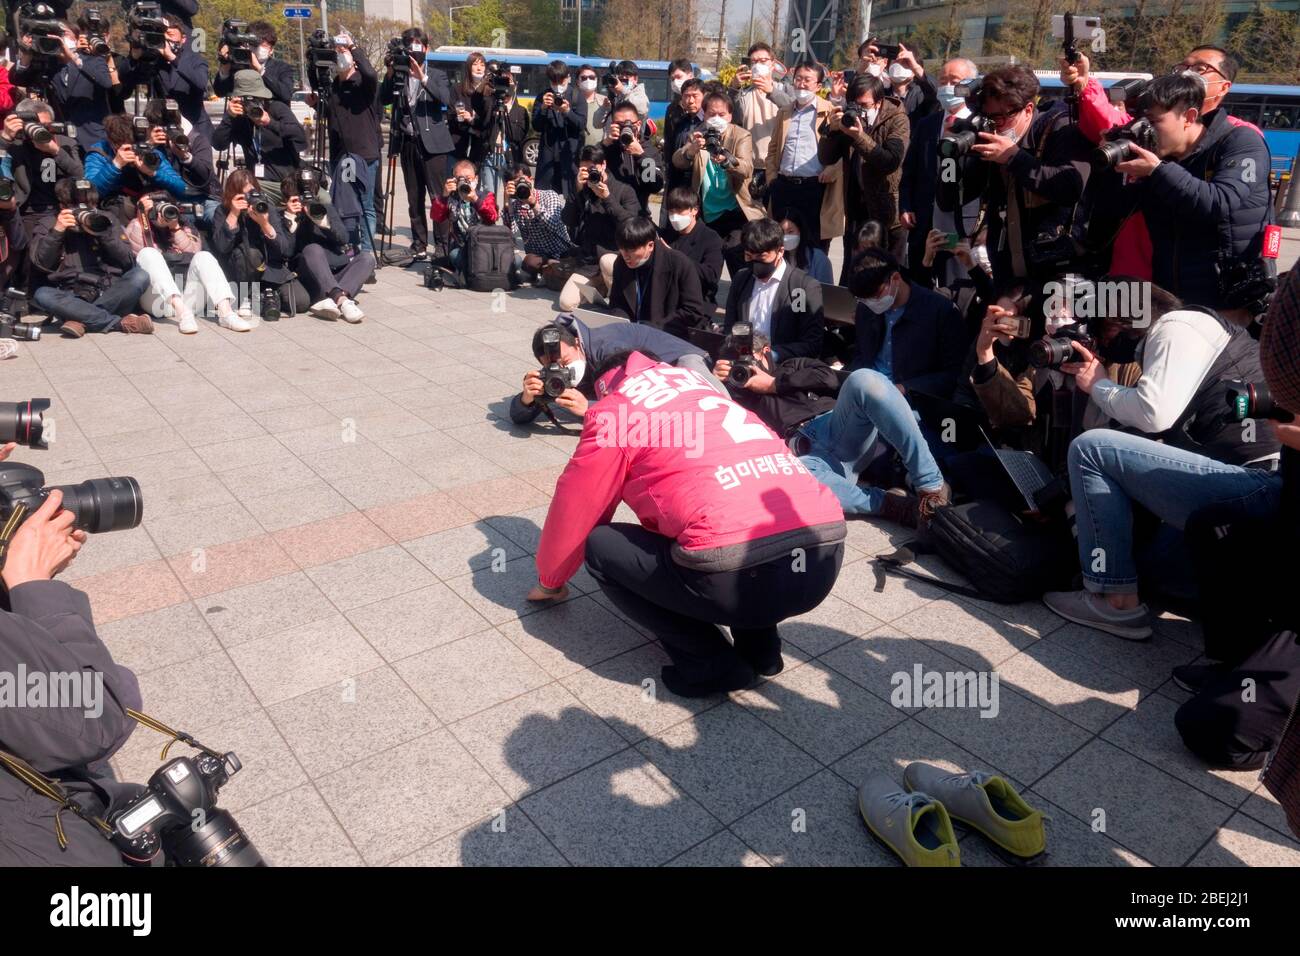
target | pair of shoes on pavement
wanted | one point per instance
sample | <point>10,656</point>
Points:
<point>913,510</point>
<point>331,311</point>
<point>916,823</point>
<point>1093,610</point>
<point>134,323</point>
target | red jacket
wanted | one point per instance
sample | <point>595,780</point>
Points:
<point>486,207</point>
<point>703,470</point>
<point>6,93</point>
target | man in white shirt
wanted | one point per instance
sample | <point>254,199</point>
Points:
<point>799,179</point>
<point>778,300</point>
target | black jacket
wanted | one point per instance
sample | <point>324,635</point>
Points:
<point>279,146</point>
<point>427,119</point>
<point>916,190</point>
<point>63,256</point>
<point>278,77</point>
<point>354,112</point>
<point>246,255</point>
<point>82,95</point>
<point>928,344</point>
<point>34,191</point>
<point>184,80</point>
<point>592,220</point>
<point>644,173</point>
<point>669,288</point>
<point>50,630</point>
<point>467,137</point>
<point>805,388</point>
<point>798,322</point>
<point>703,247</point>
<point>560,136</point>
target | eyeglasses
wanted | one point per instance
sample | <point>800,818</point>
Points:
<point>1198,68</point>
<point>1006,114</point>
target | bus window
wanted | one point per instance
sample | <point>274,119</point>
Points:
<point>1280,116</point>
<point>1247,110</point>
<point>656,86</point>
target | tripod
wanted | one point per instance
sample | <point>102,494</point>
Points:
<point>396,140</point>
<point>498,157</point>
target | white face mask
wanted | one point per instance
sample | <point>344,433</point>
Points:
<point>69,44</point>
<point>579,367</point>
<point>875,69</point>
<point>559,88</point>
<point>345,61</point>
<point>637,264</point>
<point>717,122</point>
<point>586,85</point>
<point>679,220</point>
<point>677,85</point>
<point>804,97</point>
<point>899,73</point>
<point>872,113</point>
<point>263,53</point>
<point>761,69</point>
<point>880,305</point>
<point>949,99</point>
<point>790,241</point>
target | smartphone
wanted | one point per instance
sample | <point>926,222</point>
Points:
<point>744,61</point>
<point>1083,26</point>
<point>1022,326</point>
<point>950,240</point>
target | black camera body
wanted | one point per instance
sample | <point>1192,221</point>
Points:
<point>166,210</point>
<point>625,134</point>
<point>321,59</point>
<point>963,134</point>
<point>610,79</point>
<point>95,29</point>
<point>889,51</point>
<point>397,56</point>
<point>146,30</point>
<point>259,203</point>
<point>433,279</point>
<point>13,306</point>
<point>556,378</point>
<point>1118,142</point>
<point>41,23</point>
<point>97,505</point>
<point>463,186</point>
<point>166,815</point>
<point>1054,352</point>
<point>142,134</point>
<point>500,80</point>
<point>240,44</point>
<point>1253,400</point>
<point>269,303</point>
<point>713,145</point>
<point>42,134</point>
<point>90,218</point>
<point>523,191</point>
<point>740,345</point>
<point>1247,282</point>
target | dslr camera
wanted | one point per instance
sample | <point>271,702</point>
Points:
<point>254,108</point>
<point>259,203</point>
<point>166,210</point>
<point>24,422</point>
<point>38,133</point>
<point>398,56</point>
<point>740,343</point>
<point>963,134</point>
<point>95,29</point>
<point>1253,400</point>
<point>713,143</point>
<point>1059,349</point>
<point>556,378</point>
<point>142,133</point>
<point>146,29</point>
<point>305,183</point>
<point>523,190</point>
<point>171,121</point>
<point>97,505</point>
<point>1118,142</point>
<point>13,306</point>
<point>239,43</point>
<point>90,218</point>
<point>625,134</point>
<point>610,79</point>
<point>498,76</point>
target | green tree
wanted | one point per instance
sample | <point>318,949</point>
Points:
<point>1268,43</point>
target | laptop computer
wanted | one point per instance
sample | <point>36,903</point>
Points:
<point>838,304</point>
<point>711,342</point>
<point>593,319</point>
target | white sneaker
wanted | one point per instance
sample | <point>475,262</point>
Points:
<point>235,323</point>
<point>188,324</point>
<point>351,311</point>
<point>325,309</point>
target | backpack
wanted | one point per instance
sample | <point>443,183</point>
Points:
<point>1006,558</point>
<point>489,257</point>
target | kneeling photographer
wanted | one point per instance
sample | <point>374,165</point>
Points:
<point>252,240</point>
<point>570,350</point>
<point>332,273</point>
<point>86,275</point>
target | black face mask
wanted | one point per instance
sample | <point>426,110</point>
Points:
<point>763,270</point>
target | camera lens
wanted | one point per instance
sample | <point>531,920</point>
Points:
<point>523,191</point>
<point>94,222</point>
<point>104,504</point>
<point>1052,353</point>
<point>219,842</point>
<point>23,422</point>
<point>1108,155</point>
<point>741,373</point>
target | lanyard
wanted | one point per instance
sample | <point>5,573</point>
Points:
<point>639,293</point>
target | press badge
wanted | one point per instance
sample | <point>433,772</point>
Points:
<point>259,171</point>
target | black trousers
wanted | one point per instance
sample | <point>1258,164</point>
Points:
<point>806,197</point>
<point>683,608</point>
<point>1226,731</point>
<point>423,175</point>
<point>728,226</point>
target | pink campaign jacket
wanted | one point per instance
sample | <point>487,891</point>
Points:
<point>694,466</point>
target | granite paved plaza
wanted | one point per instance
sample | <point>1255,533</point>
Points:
<point>329,580</point>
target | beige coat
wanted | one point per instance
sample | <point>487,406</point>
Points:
<point>832,211</point>
<point>738,143</point>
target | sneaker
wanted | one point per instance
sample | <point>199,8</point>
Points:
<point>234,322</point>
<point>1195,678</point>
<point>325,309</point>
<point>188,323</point>
<point>420,255</point>
<point>900,507</point>
<point>1093,610</point>
<point>985,803</point>
<point>136,323</point>
<point>351,311</point>
<point>72,329</point>
<point>930,501</point>
<point>915,826</point>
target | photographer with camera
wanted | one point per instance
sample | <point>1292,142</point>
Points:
<point>506,132</point>
<point>720,157</point>
<point>87,278</point>
<point>425,102</point>
<point>869,138</point>
<point>631,155</point>
<point>462,207</point>
<point>272,139</point>
<point>696,241</point>
<point>13,237</point>
<point>253,243</point>
<point>537,214</point>
<point>561,117</point>
<point>128,163</point>
<point>172,70</point>
<point>276,74</point>
<point>165,245</point>
<point>774,298</point>
<point>81,86</point>
<point>622,82</point>
<point>653,284</point>
<point>471,107</point>
<point>718,521</point>
<point>592,217</point>
<point>568,377</point>
<point>29,135</point>
<point>759,96</point>
<point>331,275</point>
<point>354,134</point>
<point>188,150</point>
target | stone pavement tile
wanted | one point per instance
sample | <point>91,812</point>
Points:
<point>224,428</point>
<point>226,566</point>
<point>1070,842</point>
<point>501,595</point>
<point>347,459</point>
<point>470,675</point>
<point>628,693</point>
<point>829,830</point>
<point>416,621</point>
<point>505,839</point>
<point>1149,733</point>
<point>543,479</point>
<point>830,624</point>
<point>454,470</point>
<point>156,639</point>
<point>133,441</point>
<point>182,534</point>
<point>291,507</point>
<point>332,539</point>
<point>432,787</point>
<point>1032,617</point>
<point>498,496</point>
<point>857,584</point>
<point>1177,627</point>
<point>200,692</point>
<point>1138,801</point>
<point>1243,841</point>
<point>728,760</point>
<point>1149,663</point>
<point>297,829</point>
<point>371,576</point>
<point>332,434</point>
<point>721,849</point>
<point>903,744</point>
<point>1077,688</point>
<point>966,633</point>
<point>417,517</point>
<point>296,418</point>
<point>620,812</point>
<point>324,653</point>
<point>138,589</point>
<point>819,709</point>
<point>416,450</point>
<point>881,659</point>
<point>338,725</point>
<point>1263,806</point>
<point>268,765</point>
<point>567,637</point>
<point>243,453</point>
<point>258,610</point>
<point>524,528</point>
<point>283,475</point>
<point>536,739</point>
<point>259,398</point>
<point>471,546</point>
<point>153,469</point>
<point>108,552</point>
<point>387,483</point>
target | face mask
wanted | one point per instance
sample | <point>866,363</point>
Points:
<point>881,305</point>
<point>587,85</point>
<point>579,367</point>
<point>559,88</point>
<point>177,47</point>
<point>345,61</point>
<point>1011,132</point>
<point>763,270</point>
<point>760,69</point>
<point>717,122</point>
<point>477,73</point>
<point>263,53</point>
<point>949,99</point>
<point>679,221</point>
<point>69,44</point>
<point>899,73</point>
<point>874,69</point>
<point>872,113</point>
<point>981,256</point>
<point>804,97</point>
<point>1057,322</point>
<point>640,262</point>
<point>417,47</point>
<point>790,242</point>
<point>677,85</point>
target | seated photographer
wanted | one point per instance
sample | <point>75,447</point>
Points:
<point>332,278</point>
<point>253,243</point>
<point>801,252</point>
<point>86,275</point>
<point>951,269</point>
<point>631,156</point>
<point>81,87</point>
<point>271,138</point>
<point>276,74</point>
<point>583,349</point>
<point>598,205</point>
<point>720,156</point>
<point>47,624</point>
<point>696,241</point>
<point>29,142</point>
<point>165,245</point>
<point>537,214</point>
<point>913,336</point>
<point>175,71</point>
<point>117,165</point>
<point>560,116</point>
<point>719,520</point>
<point>652,284</point>
<point>461,207</point>
<point>839,430</point>
<point>779,301</point>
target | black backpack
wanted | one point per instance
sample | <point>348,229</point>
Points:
<point>489,257</point>
<point>1006,558</point>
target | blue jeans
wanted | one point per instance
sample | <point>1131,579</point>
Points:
<point>1111,470</point>
<point>105,313</point>
<point>869,407</point>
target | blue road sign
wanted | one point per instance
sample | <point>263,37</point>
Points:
<point>297,13</point>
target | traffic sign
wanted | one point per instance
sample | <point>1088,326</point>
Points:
<point>297,13</point>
